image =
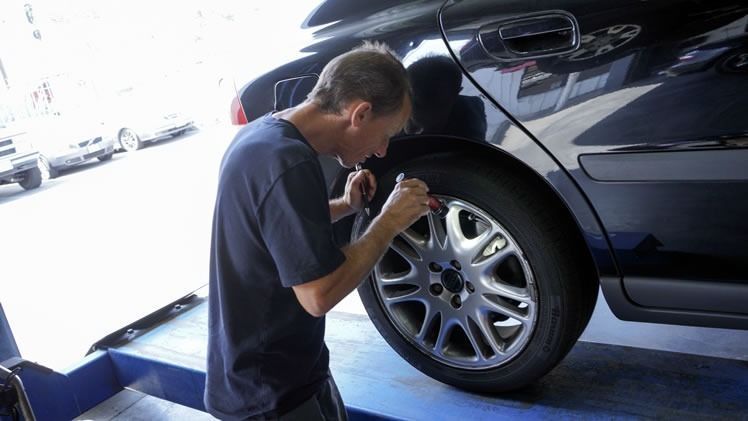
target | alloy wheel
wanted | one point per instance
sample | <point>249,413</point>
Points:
<point>459,288</point>
<point>129,140</point>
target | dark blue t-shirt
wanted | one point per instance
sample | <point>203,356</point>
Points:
<point>271,231</point>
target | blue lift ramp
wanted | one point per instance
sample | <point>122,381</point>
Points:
<point>167,361</point>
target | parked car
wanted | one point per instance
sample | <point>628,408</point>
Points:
<point>18,159</point>
<point>143,117</point>
<point>65,143</point>
<point>570,160</point>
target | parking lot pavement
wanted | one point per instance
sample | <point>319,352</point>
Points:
<point>107,243</point>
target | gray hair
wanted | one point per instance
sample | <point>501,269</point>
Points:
<point>371,72</point>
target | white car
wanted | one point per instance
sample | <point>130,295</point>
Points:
<point>64,143</point>
<point>18,159</point>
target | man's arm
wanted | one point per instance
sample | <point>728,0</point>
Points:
<point>319,296</point>
<point>407,203</point>
<point>339,209</point>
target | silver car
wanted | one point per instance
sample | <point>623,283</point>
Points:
<point>142,129</point>
<point>146,114</point>
<point>63,144</point>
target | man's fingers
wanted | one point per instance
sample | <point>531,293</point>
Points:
<point>371,182</point>
<point>416,190</point>
<point>414,182</point>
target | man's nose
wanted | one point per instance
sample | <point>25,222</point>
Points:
<point>382,151</point>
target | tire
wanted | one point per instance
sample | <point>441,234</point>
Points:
<point>104,158</point>
<point>129,140</point>
<point>48,172</point>
<point>536,270</point>
<point>31,179</point>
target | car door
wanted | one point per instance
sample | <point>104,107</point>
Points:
<point>644,104</point>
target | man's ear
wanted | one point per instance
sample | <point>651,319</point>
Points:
<point>361,111</point>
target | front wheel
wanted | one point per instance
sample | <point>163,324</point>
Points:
<point>104,158</point>
<point>492,296</point>
<point>48,172</point>
<point>129,140</point>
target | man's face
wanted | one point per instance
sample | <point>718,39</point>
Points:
<point>368,134</point>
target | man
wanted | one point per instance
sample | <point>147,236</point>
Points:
<point>275,269</point>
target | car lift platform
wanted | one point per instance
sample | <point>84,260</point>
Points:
<point>167,361</point>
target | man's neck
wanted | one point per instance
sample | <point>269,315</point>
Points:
<point>318,128</point>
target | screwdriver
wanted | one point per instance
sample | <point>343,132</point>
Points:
<point>364,192</point>
<point>438,207</point>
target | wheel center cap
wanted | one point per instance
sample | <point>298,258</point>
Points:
<point>452,280</point>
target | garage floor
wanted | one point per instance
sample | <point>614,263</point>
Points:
<point>595,380</point>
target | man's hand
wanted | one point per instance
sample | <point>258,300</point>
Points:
<point>352,200</point>
<point>407,202</point>
<point>358,183</point>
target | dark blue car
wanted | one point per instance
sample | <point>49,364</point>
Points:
<point>573,156</point>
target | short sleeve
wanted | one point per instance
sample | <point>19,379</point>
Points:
<point>294,219</point>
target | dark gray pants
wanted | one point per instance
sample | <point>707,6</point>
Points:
<point>326,405</point>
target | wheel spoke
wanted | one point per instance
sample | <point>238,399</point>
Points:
<point>505,309</point>
<point>489,332</point>
<point>488,265</point>
<point>492,287</point>
<point>444,327</point>
<point>411,239</point>
<point>415,295</point>
<point>437,236</point>
<point>390,279</point>
<point>455,237</point>
<point>487,245</point>
<point>431,314</point>
<point>470,333</point>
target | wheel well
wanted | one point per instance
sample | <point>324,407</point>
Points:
<point>405,149</point>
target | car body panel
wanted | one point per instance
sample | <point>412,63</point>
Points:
<point>17,154</point>
<point>171,124</point>
<point>668,142</point>
<point>90,149</point>
<point>67,142</point>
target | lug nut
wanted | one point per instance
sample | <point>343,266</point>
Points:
<point>456,265</point>
<point>435,267</point>
<point>436,289</point>
<point>456,301</point>
<point>470,287</point>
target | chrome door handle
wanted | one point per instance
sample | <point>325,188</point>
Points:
<point>530,36</point>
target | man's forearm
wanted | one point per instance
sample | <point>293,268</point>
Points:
<point>339,209</point>
<point>323,294</point>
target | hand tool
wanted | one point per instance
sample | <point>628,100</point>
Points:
<point>364,192</point>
